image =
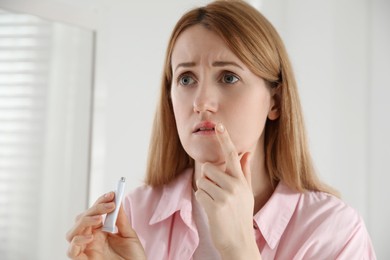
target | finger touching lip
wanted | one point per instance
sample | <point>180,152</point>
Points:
<point>229,150</point>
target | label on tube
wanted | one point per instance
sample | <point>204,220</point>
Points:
<point>109,223</point>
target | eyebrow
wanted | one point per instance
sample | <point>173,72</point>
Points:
<point>215,64</point>
<point>185,65</point>
<point>226,63</point>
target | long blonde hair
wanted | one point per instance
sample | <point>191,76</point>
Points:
<point>255,41</point>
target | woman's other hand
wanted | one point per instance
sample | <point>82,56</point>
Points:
<point>88,241</point>
<point>228,200</point>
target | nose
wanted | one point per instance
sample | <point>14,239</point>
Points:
<point>206,99</point>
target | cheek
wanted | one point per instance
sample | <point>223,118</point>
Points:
<point>249,121</point>
<point>177,112</point>
<point>175,104</point>
<point>178,101</point>
<point>180,111</point>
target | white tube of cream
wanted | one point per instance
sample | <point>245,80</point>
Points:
<point>109,222</point>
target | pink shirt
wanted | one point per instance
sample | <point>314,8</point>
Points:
<point>292,225</point>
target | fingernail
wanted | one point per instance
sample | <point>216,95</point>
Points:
<point>108,194</point>
<point>220,128</point>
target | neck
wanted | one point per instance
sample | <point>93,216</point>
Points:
<point>261,184</point>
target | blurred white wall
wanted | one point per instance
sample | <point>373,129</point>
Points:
<point>340,54</point>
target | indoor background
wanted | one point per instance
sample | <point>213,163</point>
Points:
<point>79,81</point>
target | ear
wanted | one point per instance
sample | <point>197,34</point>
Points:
<point>274,108</point>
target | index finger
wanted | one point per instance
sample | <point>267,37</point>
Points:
<point>107,197</point>
<point>232,160</point>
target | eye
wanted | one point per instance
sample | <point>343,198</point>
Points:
<point>229,78</point>
<point>186,80</point>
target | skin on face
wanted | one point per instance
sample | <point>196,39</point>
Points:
<point>211,84</point>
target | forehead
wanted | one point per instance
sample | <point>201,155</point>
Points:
<point>197,43</point>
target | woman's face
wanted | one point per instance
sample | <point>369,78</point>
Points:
<point>209,85</point>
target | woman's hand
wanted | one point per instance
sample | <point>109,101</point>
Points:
<point>228,201</point>
<point>88,241</point>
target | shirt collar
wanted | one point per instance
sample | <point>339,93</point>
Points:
<point>273,218</point>
<point>176,196</point>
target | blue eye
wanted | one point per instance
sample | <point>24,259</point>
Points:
<point>186,80</point>
<point>229,78</point>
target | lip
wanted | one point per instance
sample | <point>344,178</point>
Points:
<point>204,128</point>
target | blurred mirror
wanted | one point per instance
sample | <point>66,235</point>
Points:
<point>46,72</point>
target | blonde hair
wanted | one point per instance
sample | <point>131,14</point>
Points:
<point>255,41</point>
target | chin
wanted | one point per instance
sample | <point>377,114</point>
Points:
<point>207,156</point>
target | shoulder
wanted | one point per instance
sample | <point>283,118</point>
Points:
<point>143,199</point>
<point>146,201</point>
<point>144,193</point>
<point>326,213</point>
<point>325,207</point>
<point>329,221</point>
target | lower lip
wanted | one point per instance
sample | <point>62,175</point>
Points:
<point>205,132</point>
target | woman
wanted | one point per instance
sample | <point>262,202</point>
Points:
<point>229,173</point>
